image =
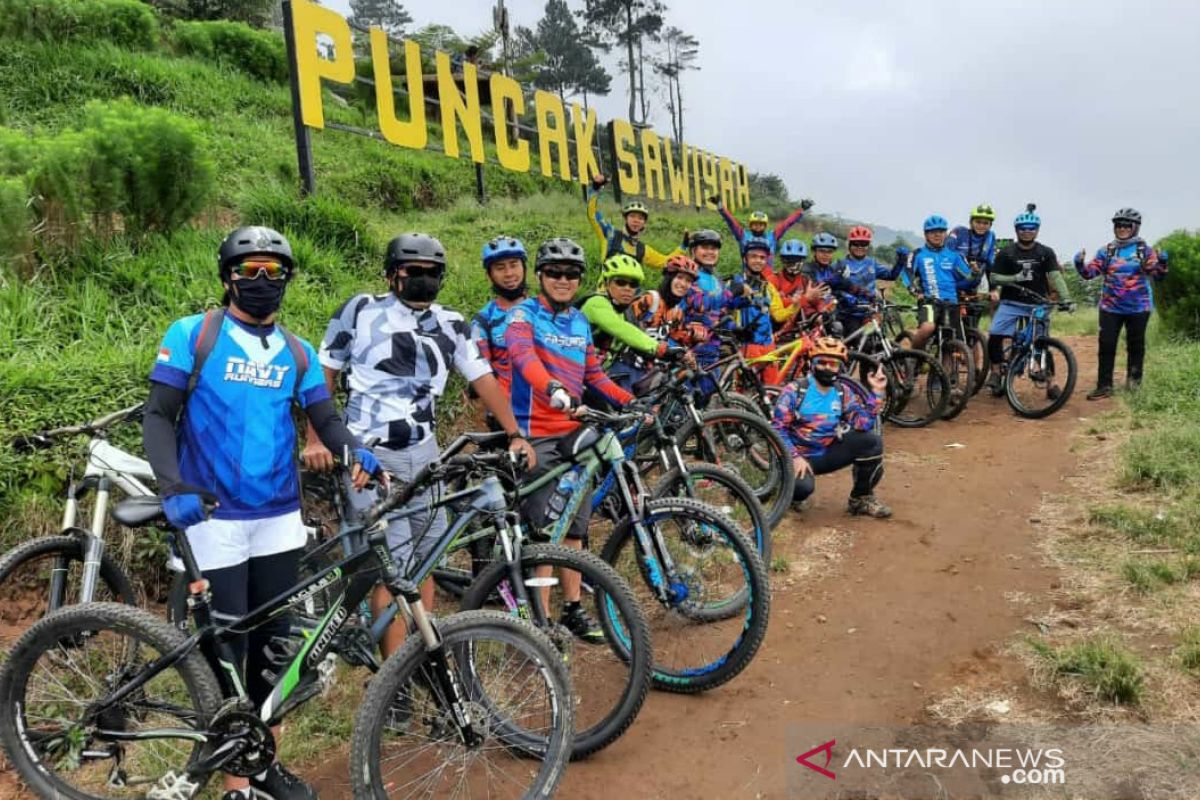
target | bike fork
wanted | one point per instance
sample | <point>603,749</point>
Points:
<point>94,550</point>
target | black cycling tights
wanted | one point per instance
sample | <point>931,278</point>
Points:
<point>244,587</point>
<point>1135,344</point>
<point>862,449</point>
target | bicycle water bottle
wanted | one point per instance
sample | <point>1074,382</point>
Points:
<point>562,495</point>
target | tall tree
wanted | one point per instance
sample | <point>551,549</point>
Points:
<point>680,52</point>
<point>626,23</point>
<point>387,14</point>
<point>564,64</point>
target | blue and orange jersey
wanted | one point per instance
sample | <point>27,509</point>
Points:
<point>546,346</point>
<point>811,417</point>
<point>941,274</point>
<point>1127,268</point>
<point>752,314</point>
<point>771,236</point>
<point>487,329</point>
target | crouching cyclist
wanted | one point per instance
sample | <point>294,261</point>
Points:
<point>615,331</point>
<point>553,362</point>
<point>218,425</point>
<point>830,424</point>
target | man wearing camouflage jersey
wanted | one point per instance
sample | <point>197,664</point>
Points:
<point>397,350</point>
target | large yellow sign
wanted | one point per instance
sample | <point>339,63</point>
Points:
<point>648,164</point>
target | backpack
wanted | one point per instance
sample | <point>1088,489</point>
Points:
<point>206,340</point>
<point>1110,250</point>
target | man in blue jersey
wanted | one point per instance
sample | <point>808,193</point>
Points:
<point>235,374</point>
<point>504,261</point>
<point>939,274</point>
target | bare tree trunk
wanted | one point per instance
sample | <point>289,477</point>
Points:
<point>679,102</point>
<point>629,63</point>
<point>642,82</point>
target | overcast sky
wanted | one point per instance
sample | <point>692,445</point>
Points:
<point>890,111</point>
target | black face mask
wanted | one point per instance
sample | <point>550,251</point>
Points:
<point>259,297</point>
<point>825,377</point>
<point>421,287</point>
<point>511,294</point>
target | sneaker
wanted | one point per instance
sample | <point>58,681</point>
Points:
<point>1100,392</point>
<point>1053,392</point>
<point>237,794</point>
<point>399,715</point>
<point>279,784</point>
<point>868,506</point>
<point>581,625</point>
<point>995,385</point>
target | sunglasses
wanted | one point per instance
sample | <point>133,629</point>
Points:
<point>251,268</point>
<point>1026,228</point>
<point>627,283</point>
<point>860,244</point>
<point>1122,224</point>
<point>562,274</point>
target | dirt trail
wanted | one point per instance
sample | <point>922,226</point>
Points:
<point>902,611</point>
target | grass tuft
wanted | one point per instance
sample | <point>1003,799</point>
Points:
<point>1102,667</point>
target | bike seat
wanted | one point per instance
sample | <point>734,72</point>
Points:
<point>139,512</point>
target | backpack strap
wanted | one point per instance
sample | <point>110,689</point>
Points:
<point>210,329</point>
<point>299,356</point>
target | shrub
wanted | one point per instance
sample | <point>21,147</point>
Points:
<point>323,219</point>
<point>1102,667</point>
<point>128,23</point>
<point>15,223</point>
<point>258,53</point>
<point>1179,293</point>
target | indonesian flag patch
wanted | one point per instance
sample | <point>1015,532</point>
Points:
<point>164,354</point>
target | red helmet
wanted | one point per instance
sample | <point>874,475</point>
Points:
<point>859,233</point>
<point>681,263</point>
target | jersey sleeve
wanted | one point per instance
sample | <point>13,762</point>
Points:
<point>601,228</point>
<point>479,336</point>
<point>787,222</point>
<point>595,377</point>
<point>784,419</point>
<point>600,313</point>
<point>339,334</point>
<point>780,312</point>
<point>312,388</point>
<point>518,338</point>
<point>175,359</point>
<point>861,413</point>
<point>656,260</point>
<point>469,362</point>
<point>1094,268</point>
<point>734,226</point>
<point>1152,266</point>
<point>963,278</point>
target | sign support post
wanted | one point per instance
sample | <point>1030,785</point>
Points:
<point>308,181</point>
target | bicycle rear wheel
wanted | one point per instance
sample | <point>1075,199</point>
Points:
<point>54,714</point>
<point>1040,381</point>
<point>977,343</point>
<point>726,492</point>
<point>959,366</point>
<point>715,615</point>
<point>407,741</point>
<point>918,388</point>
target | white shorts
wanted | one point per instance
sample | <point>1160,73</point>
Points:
<point>219,543</point>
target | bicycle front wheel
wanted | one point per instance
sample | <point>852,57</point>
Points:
<point>515,692</point>
<point>918,388</point>
<point>611,676</point>
<point>1040,380</point>
<point>977,344</point>
<point>726,492</point>
<point>708,610</point>
<point>959,365</point>
<point>60,732</point>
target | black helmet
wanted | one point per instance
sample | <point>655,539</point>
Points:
<point>560,251</point>
<point>1128,215</point>
<point>254,240</point>
<point>705,236</point>
<point>414,247</point>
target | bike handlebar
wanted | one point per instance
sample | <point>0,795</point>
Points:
<point>41,440</point>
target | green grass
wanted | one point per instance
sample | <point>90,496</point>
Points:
<point>1101,667</point>
<point>1188,651</point>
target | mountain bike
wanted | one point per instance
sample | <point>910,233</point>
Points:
<point>1036,361</point>
<point>949,346</point>
<point>45,574</point>
<point>972,309</point>
<point>105,700</point>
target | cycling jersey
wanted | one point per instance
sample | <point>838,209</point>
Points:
<point>752,314</point>
<point>684,321</point>
<point>811,417</point>
<point>487,330</point>
<point>941,274</point>
<point>975,249</point>
<point>236,438</point>
<point>771,236</point>
<point>853,283</point>
<point>544,346</point>
<point>618,240</point>
<point>613,330</point>
<point>1127,273</point>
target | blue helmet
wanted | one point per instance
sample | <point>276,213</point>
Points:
<point>793,248</point>
<point>936,223</point>
<point>503,247</point>
<point>1027,219</point>
<point>824,240</point>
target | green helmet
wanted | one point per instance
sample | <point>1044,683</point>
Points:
<point>983,211</point>
<point>622,266</point>
<point>635,207</point>
<point>759,216</point>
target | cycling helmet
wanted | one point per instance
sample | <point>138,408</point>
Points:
<point>759,216</point>
<point>824,241</point>
<point>635,207</point>
<point>829,347</point>
<point>705,236</point>
<point>859,233</point>
<point>793,248</point>
<point>983,211</point>
<point>254,241</point>
<point>622,266</point>
<point>1027,219</point>
<point>681,263</point>
<point>1128,215</point>
<point>936,223</point>
<point>756,243</point>
<point>414,247</point>
<point>503,247</point>
<point>560,251</point>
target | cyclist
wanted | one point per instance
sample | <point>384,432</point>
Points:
<point>797,292</point>
<point>504,261</point>
<point>938,275</point>
<point>234,374</point>
<point>397,350</point>
<point>705,247</point>
<point>831,424</point>
<point>757,224</point>
<point>751,299</point>
<point>976,243</point>
<point>674,312</point>
<point>1028,264</point>
<point>614,329</point>
<point>553,363</point>
<point>853,279</point>
<point>1126,300</point>
<point>628,240</point>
